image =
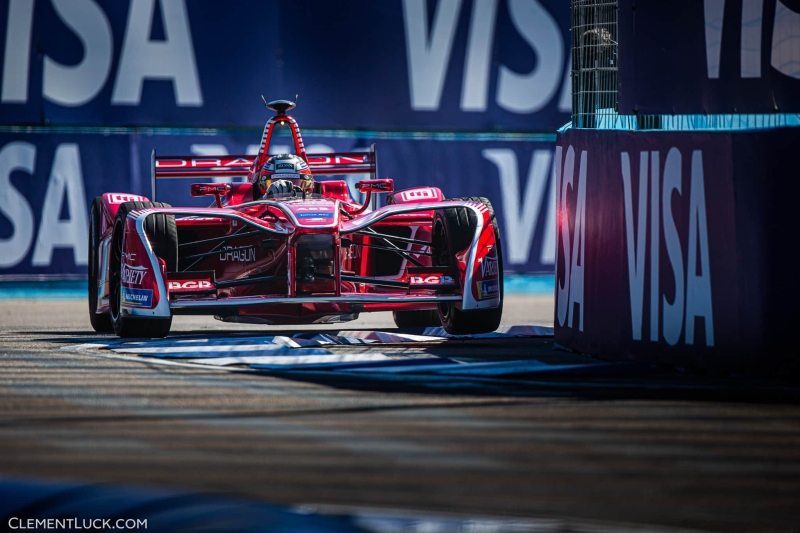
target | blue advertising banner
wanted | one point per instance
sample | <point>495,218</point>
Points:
<point>46,185</point>
<point>47,182</point>
<point>396,64</point>
<point>716,56</point>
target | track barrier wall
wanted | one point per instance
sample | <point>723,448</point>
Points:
<point>674,247</point>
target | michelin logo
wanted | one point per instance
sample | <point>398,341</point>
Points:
<point>137,297</point>
<point>488,289</point>
<point>314,215</point>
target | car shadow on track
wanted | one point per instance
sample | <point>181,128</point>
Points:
<point>665,386</point>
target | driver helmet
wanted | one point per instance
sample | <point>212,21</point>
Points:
<point>284,167</point>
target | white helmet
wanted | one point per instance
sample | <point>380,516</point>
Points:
<point>286,168</point>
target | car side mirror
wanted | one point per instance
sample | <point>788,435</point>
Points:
<point>370,186</point>
<point>211,189</point>
<point>384,185</point>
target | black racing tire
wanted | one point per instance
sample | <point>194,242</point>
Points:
<point>453,230</point>
<point>162,232</point>
<point>417,319</point>
<point>101,323</point>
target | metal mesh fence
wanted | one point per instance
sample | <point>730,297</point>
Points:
<point>594,82</point>
<point>594,61</point>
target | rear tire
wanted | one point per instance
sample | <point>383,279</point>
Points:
<point>100,322</point>
<point>453,231</point>
<point>417,319</point>
<point>162,232</point>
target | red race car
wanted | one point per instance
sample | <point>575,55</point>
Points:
<point>285,248</point>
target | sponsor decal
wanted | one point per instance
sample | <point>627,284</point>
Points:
<point>178,162</point>
<point>488,289</point>
<point>489,267</point>
<point>571,245</point>
<point>318,160</point>
<point>202,189</point>
<point>137,297</point>
<point>431,280</point>
<point>383,185</point>
<point>314,215</point>
<point>243,255</point>
<point>660,187</point>
<point>425,193</point>
<point>191,285</point>
<point>285,165</point>
<point>206,162</point>
<point>132,275</point>
<point>122,198</point>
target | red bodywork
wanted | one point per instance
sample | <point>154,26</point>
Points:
<point>294,260</point>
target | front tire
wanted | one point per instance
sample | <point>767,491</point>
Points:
<point>162,233</point>
<point>100,322</point>
<point>417,319</point>
<point>453,231</point>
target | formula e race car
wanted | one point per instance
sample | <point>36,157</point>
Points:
<point>286,248</point>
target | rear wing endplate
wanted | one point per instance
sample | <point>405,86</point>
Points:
<point>239,166</point>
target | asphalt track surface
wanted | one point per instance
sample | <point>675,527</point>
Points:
<point>665,449</point>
